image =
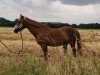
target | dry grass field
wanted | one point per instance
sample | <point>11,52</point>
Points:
<point>30,61</point>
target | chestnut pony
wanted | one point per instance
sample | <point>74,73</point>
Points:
<point>47,36</point>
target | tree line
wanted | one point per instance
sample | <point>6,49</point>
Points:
<point>7,23</point>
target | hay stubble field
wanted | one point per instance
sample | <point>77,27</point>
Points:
<point>30,61</point>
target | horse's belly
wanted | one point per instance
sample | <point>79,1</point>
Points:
<point>52,42</point>
<point>57,42</point>
<point>54,39</point>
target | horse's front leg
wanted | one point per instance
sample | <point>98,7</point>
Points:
<point>44,48</point>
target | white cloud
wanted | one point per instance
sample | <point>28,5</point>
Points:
<point>74,13</point>
<point>50,10</point>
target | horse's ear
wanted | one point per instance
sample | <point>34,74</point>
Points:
<point>21,16</point>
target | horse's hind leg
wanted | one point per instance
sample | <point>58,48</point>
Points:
<point>65,48</point>
<point>72,44</point>
<point>44,47</point>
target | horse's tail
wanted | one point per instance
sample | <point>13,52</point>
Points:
<point>78,38</point>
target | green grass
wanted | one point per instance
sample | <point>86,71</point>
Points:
<point>32,65</point>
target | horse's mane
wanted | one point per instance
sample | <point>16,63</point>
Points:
<point>37,24</point>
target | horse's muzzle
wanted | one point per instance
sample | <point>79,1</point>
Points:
<point>16,31</point>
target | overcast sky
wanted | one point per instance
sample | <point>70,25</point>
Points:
<point>70,11</point>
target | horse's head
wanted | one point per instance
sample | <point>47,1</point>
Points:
<point>20,24</point>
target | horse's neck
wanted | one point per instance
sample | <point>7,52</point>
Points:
<point>33,30</point>
<point>35,23</point>
<point>34,27</point>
